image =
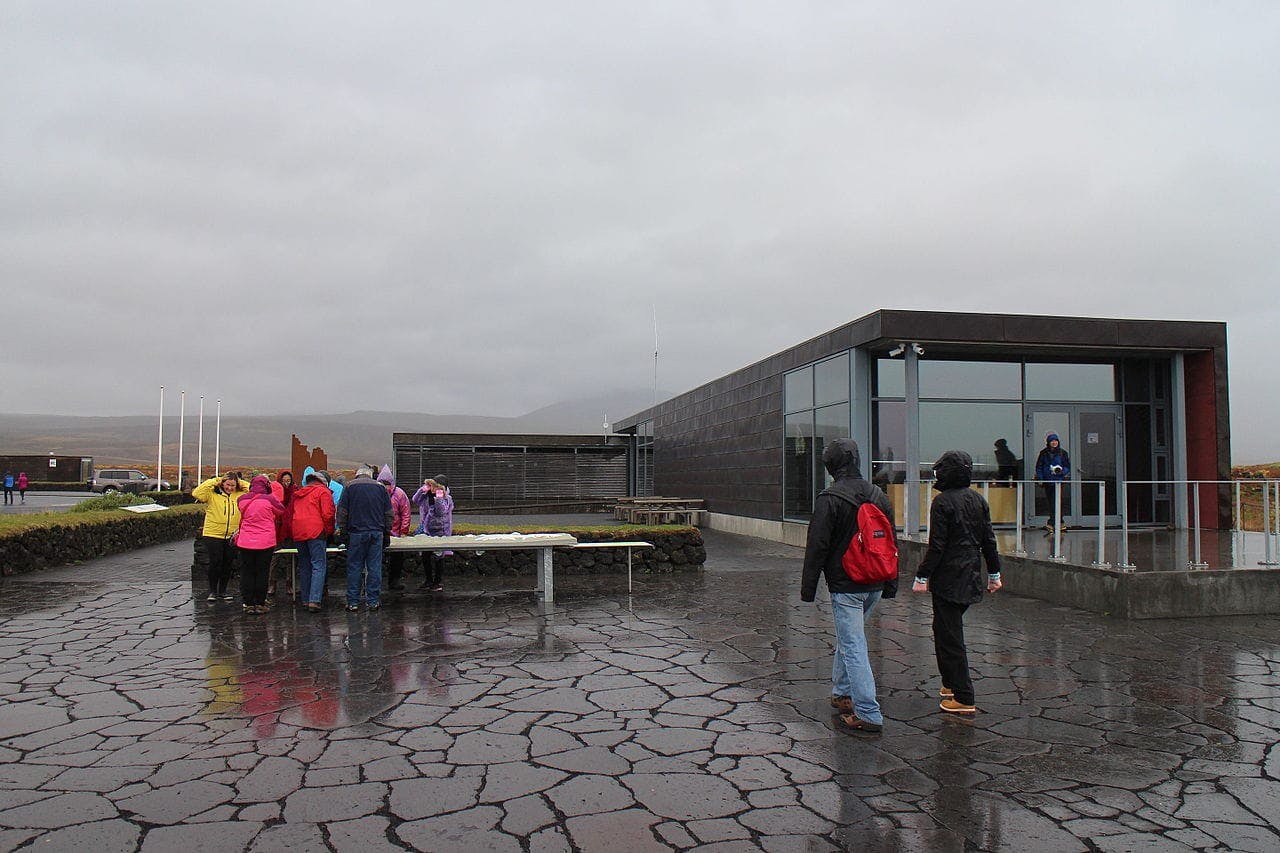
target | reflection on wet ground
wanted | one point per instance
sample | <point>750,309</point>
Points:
<point>693,712</point>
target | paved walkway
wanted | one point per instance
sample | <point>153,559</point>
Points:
<point>693,712</point>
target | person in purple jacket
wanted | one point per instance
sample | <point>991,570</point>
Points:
<point>435,507</point>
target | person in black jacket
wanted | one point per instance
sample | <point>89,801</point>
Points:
<point>834,522</point>
<point>960,538</point>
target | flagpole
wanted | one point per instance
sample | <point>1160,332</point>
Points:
<point>217,442</point>
<point>655,355</point>
<point>182,432</point>
<point>160,441</point>
<point>200,443</point>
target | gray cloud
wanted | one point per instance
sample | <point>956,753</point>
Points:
<point>475,209</point>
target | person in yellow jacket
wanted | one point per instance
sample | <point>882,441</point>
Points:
<point>221,521</point>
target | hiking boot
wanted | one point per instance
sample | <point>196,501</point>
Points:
<point>946,693</point>
<point>843,704</point>
<point>856,725</point>
<point>951,706</point>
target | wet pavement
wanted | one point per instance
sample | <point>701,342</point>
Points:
<point>691,713</point>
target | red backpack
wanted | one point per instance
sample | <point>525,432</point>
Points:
<point>872,555</point>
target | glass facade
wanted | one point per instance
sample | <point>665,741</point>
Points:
<point>817,412</point>
<point>971,427</point>
<point>1082,382</point>
<point>644,459</point>
<point>970,380</point>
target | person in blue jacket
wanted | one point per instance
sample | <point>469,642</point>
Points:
<point>1053,465</point>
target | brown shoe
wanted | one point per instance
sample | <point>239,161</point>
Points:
<point>856,725</point>
<point>951,706</point>
<point>946,693</point>
<point>843,704</point>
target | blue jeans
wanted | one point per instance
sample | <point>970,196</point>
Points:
<point>312,567</point>
<point>364,558</point>
<point>851,669</point>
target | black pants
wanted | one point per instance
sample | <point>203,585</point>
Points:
<point>8,495</point>
<point>254,567</point>
<point>219,553</point>
<point>394,567</point>
<point>948,646</point>
<point>432,568</point>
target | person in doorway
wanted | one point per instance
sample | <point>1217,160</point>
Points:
<point>23,482</point>
<point>402,517</point>
<point>834,523</point>
<point>256,540</point>
<point>435,509</point>
<point>1053,470</point>
<point>960,539</point>
<point>1006,461</point>
<point>364,518</point>
<point>311,517</point>
<point>221,521</point>
<point>8,488</point>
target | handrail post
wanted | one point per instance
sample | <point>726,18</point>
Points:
<point>1018,550</point>
<point>1196,562</point>
<point>1124,565</point>
<point>1237,529</point>
<point>1101,561</point>
<point>1267,559</point>
<point>1056,556</point>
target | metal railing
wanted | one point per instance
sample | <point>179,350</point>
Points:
<point>1185,492</point>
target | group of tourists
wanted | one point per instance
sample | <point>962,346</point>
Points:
<point>262,522</point>
<point>960,540</point>
<point>11,482</point>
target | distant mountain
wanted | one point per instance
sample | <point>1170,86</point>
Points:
<point>263,441</point>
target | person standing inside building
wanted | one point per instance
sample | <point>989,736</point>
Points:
<point>435,507</point>
<point>402,516</point>
<point>364,518</point>
<point>1053,469</point>
<point>960,538</point>
<point>221,521</point>
<point>834,524</point>
<point>256,538</point>
<point>1006,461</point>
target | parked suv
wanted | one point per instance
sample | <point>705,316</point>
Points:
<point>124,480</point>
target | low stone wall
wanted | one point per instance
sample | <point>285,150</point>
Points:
<point>77,540</point>
<point>1130,595</point>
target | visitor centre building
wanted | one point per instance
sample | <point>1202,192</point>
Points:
<point>1142,402</point>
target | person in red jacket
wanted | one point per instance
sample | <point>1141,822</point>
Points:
<point>23,482</point>
<point>311,514</point>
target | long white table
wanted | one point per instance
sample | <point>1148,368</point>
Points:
<point>541,542</point>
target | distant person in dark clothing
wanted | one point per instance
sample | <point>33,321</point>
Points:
<point>834,523</point>
<point>960,538</point>
<point>364,519</point>
<point>1006,462</point>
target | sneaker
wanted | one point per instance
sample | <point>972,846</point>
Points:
<point>951,706</point>
<point>226,596</point>
<point>372,607</point>
<point>946,693</point>
<point>437,587</point>
<point>856,725</point>
<point>213,596</point>
<point>352,608</point>
<point>312,607</point>
<point>842,704</point>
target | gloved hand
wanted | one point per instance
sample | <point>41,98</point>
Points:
<point>890,589</point>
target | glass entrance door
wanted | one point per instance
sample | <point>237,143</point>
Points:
<point>1091,435</point>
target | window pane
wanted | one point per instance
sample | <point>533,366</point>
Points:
<point>974,428</point>
<point>831,380</point>
<point>797,469</point>
<point>1071,382</point>
<point>799,389</point>
<point>889,431</point>
<point>984,380</point>
<point>891,378</point>
<point>830,423</point>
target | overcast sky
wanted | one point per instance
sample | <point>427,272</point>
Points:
<point>474,207</point>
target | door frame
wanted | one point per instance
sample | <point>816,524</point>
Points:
<point>1073,441</point>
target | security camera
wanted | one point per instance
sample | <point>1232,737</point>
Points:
<point>897,351</point>
<point>917,349</point>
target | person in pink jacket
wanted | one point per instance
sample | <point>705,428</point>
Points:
<point>256,539</point>
<point>23,482</point>
<point>401,518</point>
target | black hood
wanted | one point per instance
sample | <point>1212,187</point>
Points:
<point>953,470</point>
<point>842,459</point>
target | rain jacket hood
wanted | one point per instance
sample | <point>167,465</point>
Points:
<point>953,470</point>
<point>385,476</point>
<point>842,459</point>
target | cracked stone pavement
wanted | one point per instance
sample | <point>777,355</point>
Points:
<point>691,714</point>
